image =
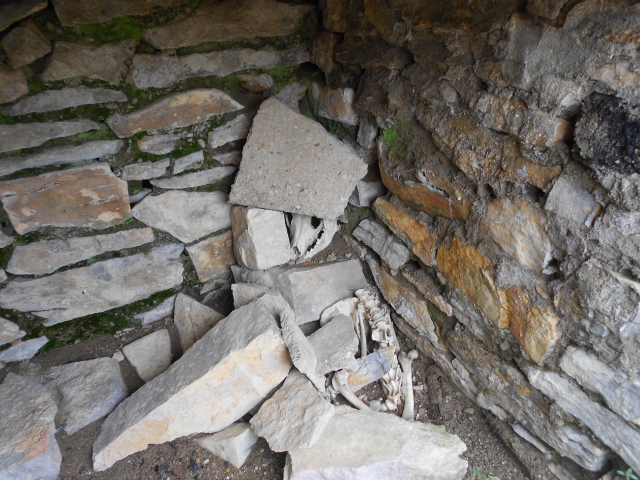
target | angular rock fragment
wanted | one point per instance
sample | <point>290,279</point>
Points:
<point>212,257</point>
<point>256,83</point>
<point>236,129</point>
<point>391,251</point>
<point>291,94</point>
<point>378,446</point>
<point>291,163</point>
<point>245,293</point>
<point>260,238</point>
<point>23,350</point>
<point>366,192</point>
<point>97,288</point>
<point>75,61</point>
<point>55,156</point>
<point>428,286</point>
<point>572,202</point>
<point>218,380</point>
<point>195,179</point>
<point>150,355</point>
<point>231,158</point>
<point>294,417</point>
<point>193,320</point>
<point>545,8</point>
<point>17,10</point>
<point>13,84</point>
<point>5,240</point>
<point>335,345</point>
<point>371,368</point>
<point>86,391</point>
<point>234,444</point>
<point>27,135</point>
<point>158,144</point>
<point>73,13</point>
<point>138,197</point>
<point>335,104</point>
<point>367,133</point>
<point>25,44</point>
<point>89,196</point>
<point>9,332</point>
<point>161,311</point>
<point>221,22</point>
<point>46,256</point>
<point>28,447</point>
<point>145,170</point>
<point>187,216</point>
<point>160,71</point>
<point>188,162</point>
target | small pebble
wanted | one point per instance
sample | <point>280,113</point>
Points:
<point>118,356</point>
<point>468,411</point>
<point>206,462</point>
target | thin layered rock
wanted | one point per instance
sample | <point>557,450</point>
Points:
<point>100,287</point>
<point>27,135</point>
<point>158,144</point>
<point>212,257</point>
<point>71,13</point>
<point>196,179</point>
<point>145,170</point>
<point>236,129</point>
<point>9,332</point>
<point>188,162</point>
<point>23,350</point>
<point>193,320</point>
<point>19,9</point>
<point>13,84</point>
<point>53,100</point>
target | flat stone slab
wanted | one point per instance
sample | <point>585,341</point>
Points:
<point>378,446</point>
<point>236,129</point>
<point>27,135</point>
<point>23,350</point>
<point>28,447</point>
<point>234,444</point>
<point>291,163</point>
<point>391,251</point>
<point>212,257</point>
<point>160,71</point>
<point>150,355</point>
<point>75,61</point>
<point>291,94</point>
<point>173,111</point>
<point>335,104</point>
<point>187,216</point>
<point>25,44</point>
<point>222,22</point>
<point>294,417</point>
<point>5,240</point>
<point>193,320</point>
<point>195,179</point>
<point>56,156</point>
<point>19,9</point>
<point>52,100</point>
<point>90,196</point>
<point>72,13</point>
<point>145,170</point>
<point>97,288</point>
<point>13,84</point>
<point>188,162</point>
<point>158,144</point>
<point>9,332</point>
<point>46,256</point>
<point>161,311</point>
<point>229,158</point>
<point>335,345</point>
<point>217,381</point>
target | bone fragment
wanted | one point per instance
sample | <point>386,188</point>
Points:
<point>405,360</point>
<point>340,383</point>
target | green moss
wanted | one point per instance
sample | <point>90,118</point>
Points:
<point>118,29</point>
<point>190,147</point>
<point>27,238</point>
<point>134,186</point>
<point>7,120</point>
<point>282,76</point>
<point>5,255</point>
<point>102,133</point>
<point>390,137</point>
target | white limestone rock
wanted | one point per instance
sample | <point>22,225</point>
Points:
<point>161,311</point>
<point>145,170</point>
<point>23,350</point>
<point>51,100</point>
<point>150,355</point>
<point>158,144</point>
<point>193,320</point>
<point>9,332</point>
<point>234,444</point>
<point>366,193</point>
<point>245,293</point>
<point>188,162</point>
<point>195,179</point>
<point>335,345</point>
<point>391,250</point>
<point>236,129</point>
<point>303,356</point>
<point>5,240</point>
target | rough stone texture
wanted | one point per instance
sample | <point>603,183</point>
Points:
<point>188,162</point>
<point>193,320</point>
<point>256,83</point>
<point>26,135</point>
<point>324,171</point>
<point>212,257</point>
<point>226,21</point>
<point>234,444</point>
<point>89,196</point>
<point>371,368</point>
<point>291,94</point>
<point>87,391</point>
<point>56,156</point>
<point>367,133</point>
<point>366,192</point>
<point>374,445</point>
<point>25,44</point>
<point>9,332</point>
<point>5,240</point>
<point>236,129</point>
<point>260,238</point>
<point>23,350</point>
<point>97,288</point>
<point>72,13</point>
<point>161,311</point>
<point>381,241</point>
<point>195,179</point>
<point>173,111</point>
<point>545,8</point>
<point>294,417</point>
<point>150,355</point>
<point>75,61</point>
<point>17,10</point>
<point>46,256</point>
<point>335,345</point>
<point>13,84</point>
<point>52,100</point>
<point>187,216</point>
<point>160,71</point>
<point>28,447</point>
<point>138,197</point>
<point>231,158</point>
<point>322,53</point>
<point>158,144</point>
<point>217,381</point>
<point>571,201</point>
<point>145,170</point>
<point>335,104</point>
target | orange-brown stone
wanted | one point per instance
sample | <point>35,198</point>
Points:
<point>213,256</point>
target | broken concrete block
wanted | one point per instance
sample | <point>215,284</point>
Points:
<point>236,129</point>
<point>26,135</point>
<point>212,257</point>
<point>391,251</point>
<point>150,355</point>
<point>161,311</point>
<point>195,179</point>
<point>23,350</point>
<point>234,444</point>
<point>335,345</point>
<point>145,170</point>
<point>188,162</point>
<point>25,44</point>
<point>9,332</point>
<point>260,238</point>
<point>335,104</point>
<point>193,320</point>
<point>294,417</point>
<point>325,172</point>
<point>217,381</point>
<point>28,447</point>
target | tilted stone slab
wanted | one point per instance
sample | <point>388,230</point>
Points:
<point>97,288</point>
<point>161,311</point>
<point>212,257</point>
<point>52,100</point>
<point>13,84</point>
<point>335,345</point>
<point>71,13</point>
<point>158,144</point>
<point>188,162</point>
<point>145,170</point>
<point>193,320</point>
<point>218,380</point>
<point>195,179</point>
<point>90,196</point>
<point>27,135</point>
<point>173,111</point>
<point>25,44</point>
<point>17,10</point>
<point>236,129</point>
<point>23,350</point>
<point>9,332</point>
<point>391,250</point>
<point>150,355</point>
<point>291,163</point>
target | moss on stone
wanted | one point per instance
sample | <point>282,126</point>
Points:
<point>5,255</point>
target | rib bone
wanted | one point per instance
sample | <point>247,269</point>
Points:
<point>339,382</point>
<point>405,360</point>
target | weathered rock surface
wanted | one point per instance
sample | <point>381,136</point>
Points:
<point>188,162</point>
<point>145,170</point>
<point>87,391</point>
<point>236,129</point>
<point>545,8</point>
<point>294,417</point>
<point>245,293</point>
<point>28,447</point>
<point>193,320</point>
<point>56,156</point>
<point>291,94</point>
<point>185,215</point>
<point>428,286</point>
<point>89,196</point>
<point>230,158</point>
<point>218,380</point>
<point>160,71</point>
<point>234,444</point>
<point>367,133</point>
<point>335,104</point>
<point>25,44</point>
<point>213,256</point>
<point>227,21</point>
<point>23,350</point>
<point>161,311</point>
<point>46,256</point>
<point>335,345</point>
<point>73,60</point>
<point>150,355</point>
<point>13,84</point>
<point>97,288</point>
<point>571,201</point>
<point>374,445</point>
<point>52,100</point>
<point>138,197</point>
<point>371,368</point>
<point>391,251</point>
<point>195,179</point>
<point>17,10</point>
<point>9,332</point>
<point>260,238</point>
<point>366,192</point>
<point>173,111</point>
<point>324,171</point>
<point>158,144</point>
<point>72,13</point>
<point>5,240</point>
<point>257,82</point>
<point>27,135</point>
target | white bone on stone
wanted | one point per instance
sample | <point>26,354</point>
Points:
<point>328,230</point>
<point>346,307</point>
<point>405,360</point>
<point>303,233</point>
<point>340,382</point>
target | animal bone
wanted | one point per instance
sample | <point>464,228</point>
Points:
<point>329,229</point>
<point>339,382</point>
<point>405,360</point>
<point>307,240</point>
<point>346,307</point>
<point>363,333</point>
